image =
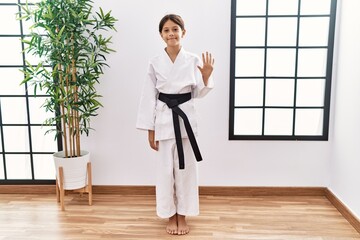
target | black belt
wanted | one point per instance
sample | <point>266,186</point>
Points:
<point>173,101</point>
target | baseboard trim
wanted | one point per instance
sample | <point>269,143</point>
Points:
<point>340,206</point>
<point>262,191</point>
<point>203,190</point>
<point>27,189</point>
<point>124,190</point>
<point>218,191</point>
<point>150,190</point>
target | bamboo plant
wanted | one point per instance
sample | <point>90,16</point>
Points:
<point>66,37</point>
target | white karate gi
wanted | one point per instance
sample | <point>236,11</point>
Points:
<point>176,190</point>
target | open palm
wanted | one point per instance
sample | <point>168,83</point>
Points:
<point>208,66</point>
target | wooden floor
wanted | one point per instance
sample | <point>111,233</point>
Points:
<point>133,217</point>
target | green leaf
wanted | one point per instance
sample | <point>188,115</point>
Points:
<point>71,32</point>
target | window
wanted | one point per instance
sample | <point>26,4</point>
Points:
<point>281,67</point>
<point>25,152</point>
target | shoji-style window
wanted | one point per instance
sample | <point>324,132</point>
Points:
<point>25,152</point>
<point>281,69</point>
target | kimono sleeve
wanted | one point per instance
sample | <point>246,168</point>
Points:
<point>200,90</point>
<point>147,105</point>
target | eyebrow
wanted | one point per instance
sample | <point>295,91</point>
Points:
<point>171,27</point>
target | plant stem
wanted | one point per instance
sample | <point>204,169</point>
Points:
<point>63,112</point>
<point>69,115</point>
<point>77,125</point>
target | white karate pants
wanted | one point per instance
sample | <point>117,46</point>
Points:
<point>177,190</point>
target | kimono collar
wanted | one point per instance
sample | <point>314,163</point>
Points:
<point>179,57</point>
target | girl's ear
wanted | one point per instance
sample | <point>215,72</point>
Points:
<point>183,33</point>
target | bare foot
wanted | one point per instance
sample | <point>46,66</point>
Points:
<point>183,228</point>
<point>172,227</point>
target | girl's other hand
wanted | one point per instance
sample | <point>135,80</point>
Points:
<point>153,144</point>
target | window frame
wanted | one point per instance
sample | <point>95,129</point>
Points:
<point>28,124</point>
<point>328,77</point>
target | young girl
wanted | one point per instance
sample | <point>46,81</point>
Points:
<point>167,111</point>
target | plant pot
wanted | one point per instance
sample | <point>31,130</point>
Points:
<point>74,169</point>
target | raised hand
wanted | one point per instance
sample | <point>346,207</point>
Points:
<point>208,66</point>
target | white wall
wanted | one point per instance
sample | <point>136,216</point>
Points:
<point>120,153</point>
<point>345,155</point>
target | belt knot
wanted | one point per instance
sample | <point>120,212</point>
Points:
<point>172,103</point>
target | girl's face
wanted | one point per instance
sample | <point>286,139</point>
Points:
<point>172,34</point>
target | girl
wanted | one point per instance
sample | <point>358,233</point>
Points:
<point>174,78</point>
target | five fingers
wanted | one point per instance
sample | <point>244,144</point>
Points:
<point>207,58</point>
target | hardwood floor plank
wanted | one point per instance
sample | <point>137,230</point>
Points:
<point>112,216</point>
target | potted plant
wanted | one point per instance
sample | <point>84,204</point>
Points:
<point>66,36</point>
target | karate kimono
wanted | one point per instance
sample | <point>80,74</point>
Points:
<point>176,190</point>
